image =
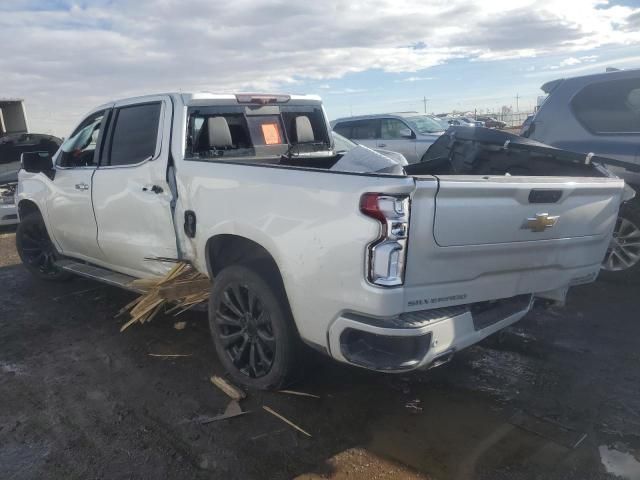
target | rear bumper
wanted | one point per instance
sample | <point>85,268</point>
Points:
<point>422,339</point>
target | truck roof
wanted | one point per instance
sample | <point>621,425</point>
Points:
<point>549,86</point>
<point>381,115</point>
<point>190,97</point>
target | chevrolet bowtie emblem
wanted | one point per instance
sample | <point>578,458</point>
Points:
<point>540,222</point>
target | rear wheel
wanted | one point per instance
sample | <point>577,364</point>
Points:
<point>252,328</point>
<point>36,250</point>
<point>622,261</point>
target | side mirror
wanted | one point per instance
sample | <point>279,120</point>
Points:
<point>37,162</point>
<point>406,133</point>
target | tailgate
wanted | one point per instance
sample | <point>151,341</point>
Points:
<point>479,238</point>
<point>490,210</point>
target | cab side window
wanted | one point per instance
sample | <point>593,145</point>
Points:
<point>366,130</point>
<point>79,150</point>
<point>391,129</point>
<point>611,107</point>
<point>134,134</point>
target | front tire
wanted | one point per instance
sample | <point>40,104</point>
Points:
<point>36,250</point>
<point>252,328</point>
<point>622,261</point>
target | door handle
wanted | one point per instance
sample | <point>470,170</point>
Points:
<point>82,186</point>
<point>382,145</point>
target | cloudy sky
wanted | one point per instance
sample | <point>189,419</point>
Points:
<point>361,56</point>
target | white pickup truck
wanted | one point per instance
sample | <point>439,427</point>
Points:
<point>386,271</point>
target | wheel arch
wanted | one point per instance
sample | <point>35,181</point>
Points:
<point>225,249</point>
<point>27,207</point>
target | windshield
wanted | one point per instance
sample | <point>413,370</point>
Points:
<point>425,124</point>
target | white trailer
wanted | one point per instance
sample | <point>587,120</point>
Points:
<point>13,116</point>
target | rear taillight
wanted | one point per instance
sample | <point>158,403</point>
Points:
<point>386,255</point>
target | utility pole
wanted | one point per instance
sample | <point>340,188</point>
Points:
<point>424,99</point>
<point>517,103</point>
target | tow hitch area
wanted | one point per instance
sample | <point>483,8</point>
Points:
<point>443,358</point>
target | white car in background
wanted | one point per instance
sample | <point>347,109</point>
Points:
<point>342,144</point>
<point>8,209</point>
<point>408,133</point>
<point>460,122</point>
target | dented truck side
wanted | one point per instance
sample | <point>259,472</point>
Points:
<point>390,272</point>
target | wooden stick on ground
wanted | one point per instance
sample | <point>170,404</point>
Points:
<point>288,422</point>
<point>300,394</point>
<point>169,355</point>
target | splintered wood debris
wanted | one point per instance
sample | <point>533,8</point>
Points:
<point>183,287</point>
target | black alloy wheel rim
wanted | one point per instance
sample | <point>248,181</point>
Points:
<point>245,330</point>
<point>624,248</point>
<point>38,250</point>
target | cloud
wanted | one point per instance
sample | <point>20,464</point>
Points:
<point>347,91</point>
<point>588,67</point>
<point>66,56</point>
<point>572,61</point>
<point>415,79</point>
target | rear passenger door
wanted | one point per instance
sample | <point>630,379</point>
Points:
<point>131,196</point>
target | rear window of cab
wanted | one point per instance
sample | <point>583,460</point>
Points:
<point>236,131</point>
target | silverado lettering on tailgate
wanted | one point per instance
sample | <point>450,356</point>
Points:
<point>431,301</point>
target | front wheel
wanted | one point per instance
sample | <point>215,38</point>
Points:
<point>252,328</point>
<point>622,261</point>
<point>36,250</point>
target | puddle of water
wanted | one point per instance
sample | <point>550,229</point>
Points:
<point>459,437</point>
<point>619,463</point>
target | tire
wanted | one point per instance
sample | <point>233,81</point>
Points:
<point>622,261</point>
<point>252,328</point>
<point>37,252</point>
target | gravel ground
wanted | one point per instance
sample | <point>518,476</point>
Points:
<point>558,396</point>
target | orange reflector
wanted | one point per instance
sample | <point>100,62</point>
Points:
<point>271,134</point>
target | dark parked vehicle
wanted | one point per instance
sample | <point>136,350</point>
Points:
<point>13,145</point>
<point>491,122</point>
<point>600,114</point>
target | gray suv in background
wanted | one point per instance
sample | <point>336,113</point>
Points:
<point>600,114</point>
<point>408,133</point>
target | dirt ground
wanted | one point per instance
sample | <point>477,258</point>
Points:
<point>558,397</point>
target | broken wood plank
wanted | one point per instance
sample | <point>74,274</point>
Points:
<point>178,290</point>
<point>231,390</point>
<point>183,286</point>
<point>288,422</point>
